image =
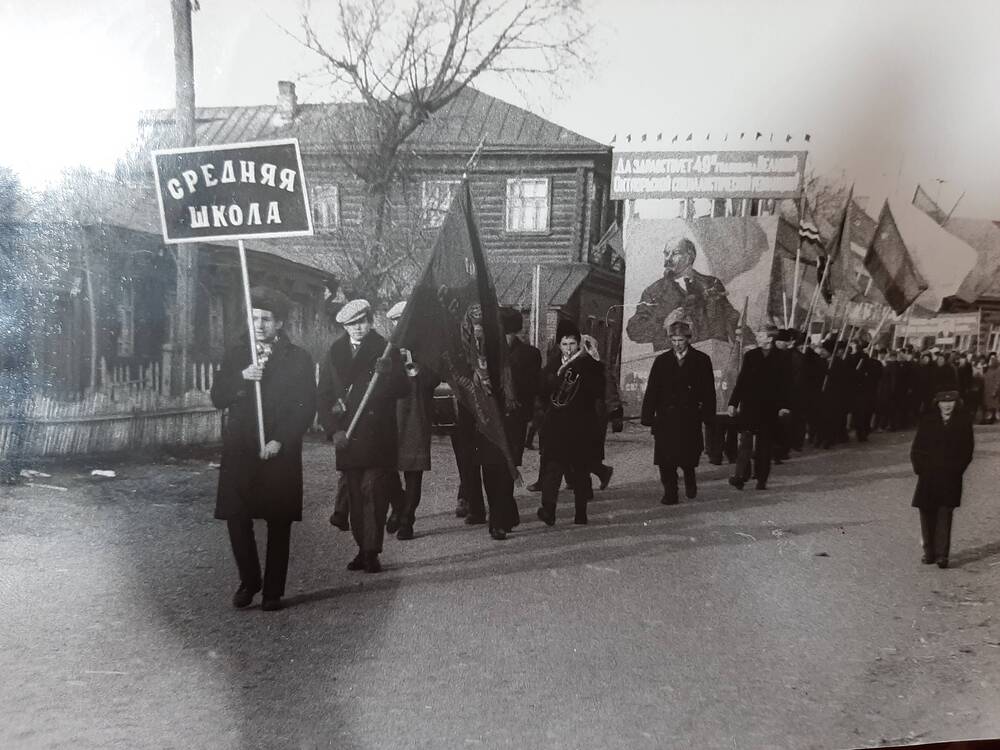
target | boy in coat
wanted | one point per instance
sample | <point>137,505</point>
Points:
<point>760,398</point>
<point>679,399</point>
<point>941,452</point>
<point>256,483</point>
<point>573,389</point>
<point>369,459</point>
<point>413,423</point>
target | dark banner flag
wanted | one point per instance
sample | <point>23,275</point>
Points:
<point>451,323</point>
<point>890,265</point>
<point>836,277</point>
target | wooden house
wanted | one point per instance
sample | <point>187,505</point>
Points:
<point>540,193</point>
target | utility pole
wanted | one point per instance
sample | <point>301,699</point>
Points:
<point>178,350</point>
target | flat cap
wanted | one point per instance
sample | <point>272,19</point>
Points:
<point>945,396</point>
<point>396,311</point>
<point>353,311</point>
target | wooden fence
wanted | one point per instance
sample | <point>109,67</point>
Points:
<point>129,412</point>
<point>102,423</point>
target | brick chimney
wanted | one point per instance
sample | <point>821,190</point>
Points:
<point>288,103</point>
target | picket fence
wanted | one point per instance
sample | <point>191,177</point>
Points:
<point>129,412</point>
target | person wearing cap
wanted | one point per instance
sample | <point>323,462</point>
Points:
<point>263,483</point>
<point>573,390</point>
<point>784,346</point>
<point>413,423</point>
<point>942,450</point>
<point>759,399</point>
<point>369,458</point>
<point>679,399</point>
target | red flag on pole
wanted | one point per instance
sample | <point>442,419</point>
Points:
<point>451,323</point>
<point>890,265</point>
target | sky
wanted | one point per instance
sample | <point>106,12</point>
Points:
<point>893,92</point>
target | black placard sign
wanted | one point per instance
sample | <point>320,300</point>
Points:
<point>233,191</point>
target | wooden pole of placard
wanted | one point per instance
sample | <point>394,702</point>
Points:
<point>253,343</point>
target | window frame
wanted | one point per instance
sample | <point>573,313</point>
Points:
<point>320,202</point>
<point>508,207</point>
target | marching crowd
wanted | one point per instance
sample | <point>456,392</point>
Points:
<point>374,402</point>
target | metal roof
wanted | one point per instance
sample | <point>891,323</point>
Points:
<point>558,283</point>
<point>459,126</point>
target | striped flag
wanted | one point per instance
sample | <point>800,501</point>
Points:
<point>890,265</point>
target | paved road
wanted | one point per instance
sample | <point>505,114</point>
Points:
<point>798,617</point>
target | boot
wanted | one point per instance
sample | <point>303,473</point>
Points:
<point>372,565</point>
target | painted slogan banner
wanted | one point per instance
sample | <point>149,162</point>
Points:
<point>233,191</point>
<point>707,174</point>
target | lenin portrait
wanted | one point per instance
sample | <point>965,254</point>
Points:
<point>682,293</point>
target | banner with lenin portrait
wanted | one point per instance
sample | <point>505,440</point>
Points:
<point>715,273</point>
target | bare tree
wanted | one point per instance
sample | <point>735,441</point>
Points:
<point>399,62</point>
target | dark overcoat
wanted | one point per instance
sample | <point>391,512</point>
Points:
<point>867,374</point>
<point>679,399</point>
<point>344,375</point>
<point>413,420</point>
<point>525,363</point>
<point>940,454</point>
<point>248,486</point>
<point>574,401</point>
<point>763,386</point>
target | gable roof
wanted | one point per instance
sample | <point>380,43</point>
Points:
<point>459,126</point>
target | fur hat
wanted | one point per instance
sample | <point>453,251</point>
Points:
<point>513,320</point>
<point>679,328</point>
<point>266,298</point>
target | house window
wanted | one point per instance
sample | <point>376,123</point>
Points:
<point>528,205</point>
<point>126,321</point>
<point>436,200</point>
<point>326,207</point>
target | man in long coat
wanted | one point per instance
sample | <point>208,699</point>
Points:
<point>573,389</point>
<point>679,399</point>
<point>867,373</point>
<point>942,451</point>
<point>369,458</point>
<point>413,423</point>
<point>255,482</point>
<point>760,398</point>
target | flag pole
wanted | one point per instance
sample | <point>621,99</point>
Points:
<point>368,391</point>
<point>253,343</point>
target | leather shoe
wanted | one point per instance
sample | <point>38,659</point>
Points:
<point>580,519</point>
<point>927,559</point>
<point>340,521</point>
<point>358,563</point>
<point>606,477</point>
<point>534,487</point>
<point>272,605</point>
<point>392,523</point>
<point>372,565</point>
<point>669,500</point>
<point>244,596</point>
<point>462,509</point>
<point>474,519</point>
<point>405,532</point>
<point>548,517</point>
<point>760,485</point>
<point>737,483</point>
<point>498,534</point>
<point>942,562</point>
